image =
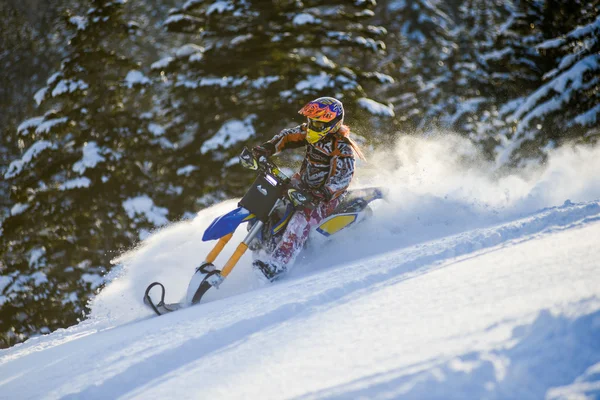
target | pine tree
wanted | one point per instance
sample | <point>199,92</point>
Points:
<point>564,106</point>
<point>470,97</point>
<point>249,68</point>
<point>513,68</point>
<point>514,65</point>
<point>422,39</point>
<point>27,46</point>
<point>86,182</point>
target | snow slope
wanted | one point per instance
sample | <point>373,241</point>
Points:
<point>463,286</point>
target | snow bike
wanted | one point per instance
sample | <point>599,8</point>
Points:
<point>267,207</point>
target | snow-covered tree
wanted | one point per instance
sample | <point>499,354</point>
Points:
<point>422,39</point>
<point>85,182</point>
<point>513,68</point>
<point>29,38</point>
<point>27,48</point>
<point>468,96</point>
<point>248,68</point>
<point>566,103</point>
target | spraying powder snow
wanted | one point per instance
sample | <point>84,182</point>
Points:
<point>438,186</point>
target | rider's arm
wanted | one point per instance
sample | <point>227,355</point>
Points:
<point>341,171</point>
<point>288,139</point>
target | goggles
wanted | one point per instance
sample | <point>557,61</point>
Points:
<point>316,130</point>
<point>317,126</point>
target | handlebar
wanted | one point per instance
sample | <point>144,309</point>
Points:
<point>266,166</point>
<point>262,163</point>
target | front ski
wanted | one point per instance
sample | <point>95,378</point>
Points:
<point>205,277</point>
<point>161,307</point>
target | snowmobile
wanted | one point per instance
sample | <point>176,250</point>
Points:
<point>267,207</point>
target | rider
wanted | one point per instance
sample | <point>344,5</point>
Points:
<point>325,174</point>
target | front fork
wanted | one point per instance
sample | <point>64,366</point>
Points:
<point>241,249</point>
<point>206,276</point>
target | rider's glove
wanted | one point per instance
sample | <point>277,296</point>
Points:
<point>263,150</point>
<point>317,195</point>
<point>321,194</point>
<point>301,198</point>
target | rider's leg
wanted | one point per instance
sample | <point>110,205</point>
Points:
<point>293,239</point>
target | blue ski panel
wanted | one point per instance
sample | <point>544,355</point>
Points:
<point>226,224</point>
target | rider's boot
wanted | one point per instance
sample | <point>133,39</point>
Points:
<point>268,271</point>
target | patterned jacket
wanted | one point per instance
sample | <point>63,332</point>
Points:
<point>328,166</point>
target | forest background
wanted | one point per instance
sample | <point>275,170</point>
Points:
<point>118,117</point>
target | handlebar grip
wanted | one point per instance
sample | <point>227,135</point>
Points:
<point>301,198</point>
<point>248,160</point>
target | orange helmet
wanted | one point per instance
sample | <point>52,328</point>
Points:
<point>325,115</point>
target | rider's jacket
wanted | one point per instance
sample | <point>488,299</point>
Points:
<point>328,165</point>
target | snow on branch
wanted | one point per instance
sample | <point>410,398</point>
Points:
<point>263,81</point>
<point>232,132</point>
<point>190,4</point>
<point>18,208</point>
<point>53,78</point>
<point>40,95</point>
<point>145,206</point>
<point>220,7</point>
<point>182,23</point>
<point>79,22</point>
<point>35,256</point>
<point>46,126</point>
<point>305,19</point>
<point>469,106</point>
<point>323,61</point>
<point>588,118</point>
<point>68,85</point>
<point>156,129</point>
<point>551,44</point>
<point>162,63</point>
<point>589,30</point>
<point>91,157</point>
<point>497,55</point>
<point>580,32</point>
<point>344,38</point>
<point>16,166</point>
<point>375,107</point>
<point>365,14</point>
<point>187,170</point>
<point>225,81</point>
<point>76,183</point>
<point>572,79</point>
<point>188,49</point>
<point>315,83</point>
<point>24,127</point>
<point>381,78</point>
<point>135,77</point>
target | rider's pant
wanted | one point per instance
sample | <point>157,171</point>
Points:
<point>298,229</point>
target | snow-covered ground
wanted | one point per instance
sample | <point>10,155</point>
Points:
<point>462,286</point>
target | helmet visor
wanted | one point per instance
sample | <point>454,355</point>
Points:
<point>317,126</point>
